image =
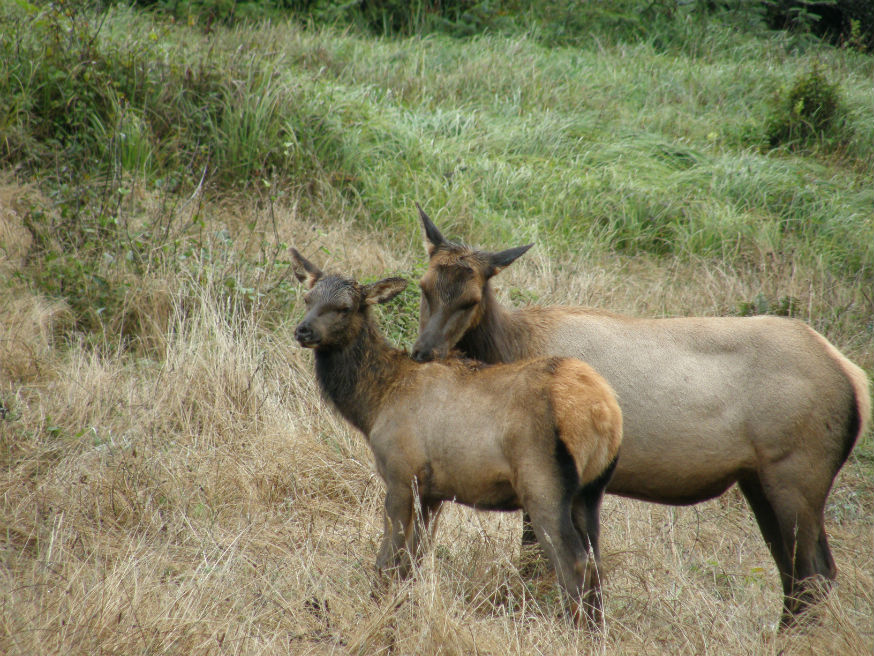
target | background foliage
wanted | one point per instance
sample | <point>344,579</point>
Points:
<point>644,132</point>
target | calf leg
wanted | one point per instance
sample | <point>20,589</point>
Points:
<point>552,522</point>
<point>398,524</point>
<point>402,534</point>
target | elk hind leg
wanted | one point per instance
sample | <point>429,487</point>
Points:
<point>807,559</point>
<point>586,517</point>
<point>552,522</point>
<point>770,528</point>
<point>825,563</point>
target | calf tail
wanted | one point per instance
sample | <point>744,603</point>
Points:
<point>594,489</point>
<point>588,417</point>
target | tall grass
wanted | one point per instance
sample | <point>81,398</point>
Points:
<point>197,496</point>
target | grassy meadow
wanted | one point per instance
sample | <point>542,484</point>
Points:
<point>171,481</point>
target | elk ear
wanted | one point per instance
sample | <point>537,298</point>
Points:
<point>384,290</point>
<point>432,235</point>
<point>304,270</point>
<point>503,259</point>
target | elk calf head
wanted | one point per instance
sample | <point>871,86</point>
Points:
<point>336,306</point>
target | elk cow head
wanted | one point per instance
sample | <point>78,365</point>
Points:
<point>455,290</point>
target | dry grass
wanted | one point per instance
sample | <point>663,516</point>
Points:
<point>197,497</point>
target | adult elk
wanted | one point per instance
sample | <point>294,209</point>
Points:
<point>541,434</point>
<point>765,402</point>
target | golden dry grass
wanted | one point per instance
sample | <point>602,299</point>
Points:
<point>197,496</point>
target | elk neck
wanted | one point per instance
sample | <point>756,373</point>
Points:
<point>500,335</point>
<point>355,378</point>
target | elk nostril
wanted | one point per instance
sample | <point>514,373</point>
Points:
<point>420,355</point>
<point>303,333</point>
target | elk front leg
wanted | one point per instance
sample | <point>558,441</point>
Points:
<point>393,557</point>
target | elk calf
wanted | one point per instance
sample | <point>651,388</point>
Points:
<point>541,434</point>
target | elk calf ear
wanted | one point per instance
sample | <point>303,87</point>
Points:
<point>304,270</point>
<point>383,290</point>
<point>502,259</point>
<point>433,238</point>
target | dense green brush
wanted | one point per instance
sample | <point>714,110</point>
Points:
<point>614,144</point>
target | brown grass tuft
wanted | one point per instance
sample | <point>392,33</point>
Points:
<point>15,238</point>
<point>27,335</point>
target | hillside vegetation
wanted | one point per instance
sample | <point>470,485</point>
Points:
<point>171,481</point>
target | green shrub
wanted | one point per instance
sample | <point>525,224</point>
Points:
<point>73,96</point>
<point>76,253</point>
<point>207,12</point>
<point>784,306</point>
<point>808,111</point>
<point>405,17</point>
<point>845,22</point>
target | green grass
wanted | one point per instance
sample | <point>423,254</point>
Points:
<point>655,144</point>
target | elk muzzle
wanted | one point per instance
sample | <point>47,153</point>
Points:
<point>433,342</point>
<point>305,335</point>
<point>422,355</point>
<point>424,350</point>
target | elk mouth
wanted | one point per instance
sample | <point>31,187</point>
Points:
<point>425,354</point>
<point>306,337</point>
<point>420,355</point>
<point>423,351</point>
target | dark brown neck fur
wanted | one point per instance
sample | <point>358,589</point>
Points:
<point>499,336</point>
<point>355,378</point>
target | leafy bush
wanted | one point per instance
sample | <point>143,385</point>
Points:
<point>784,306</point>
<point>386,17</point>
<point>72,97</point>
<point>810,110</point>
<point>849,22</point>
<point>74,253</point>
<point>665,23</point>
<point>404,17</point>
<point>207,12</point>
